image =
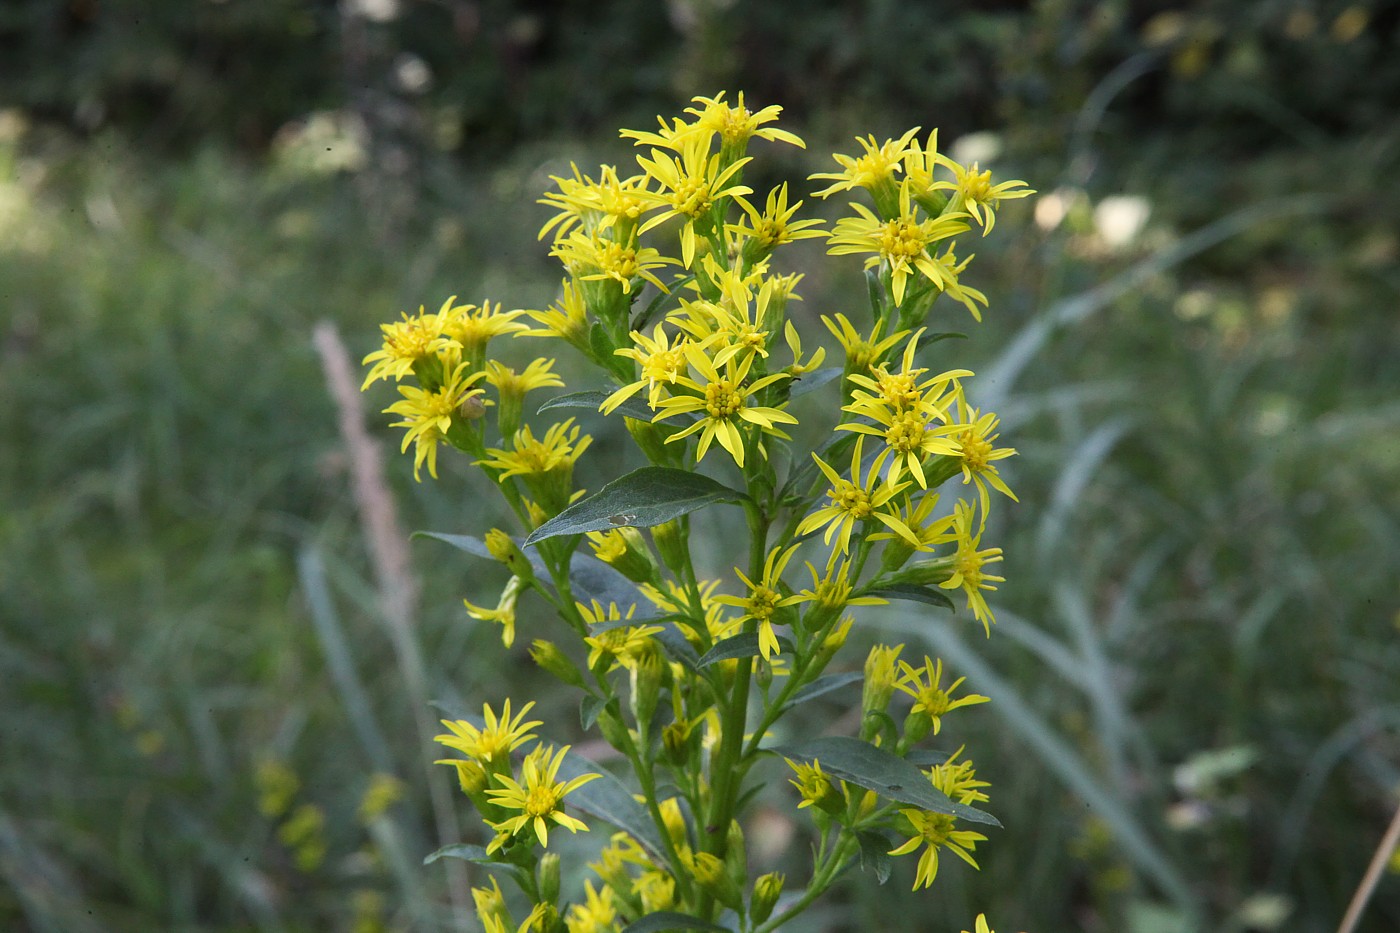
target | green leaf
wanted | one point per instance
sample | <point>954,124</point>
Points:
<point>633,407</point>
<point>814,380</point>
<point>874,854</point>
<point>927,339</point>
<point>667,920</point>
<point>589,709</point>
<point>851,759</point>
<point>609,800</point>
<point>823,685</point>
<point>738,646</point>
<point>641,499</point>
<point>913,592</point>
<point>461,850</point>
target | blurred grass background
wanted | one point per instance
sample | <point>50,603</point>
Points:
<point>208,676</point>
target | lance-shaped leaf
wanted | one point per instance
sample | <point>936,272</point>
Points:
<point>641,499</point>
<point>824,684</point>
<point>874,854</point>
<point>667,920</point>
<point>914,592</point>
<point>876,769</point>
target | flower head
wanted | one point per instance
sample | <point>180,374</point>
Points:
<point>408,341</point>
<point>931,699</point>
<point>735,124</point>
<point>901,242</point>
<point>935,831</point>
<point>976,434</point>
<point>539,796</point>
<point>974,192</point>
<point>721,401</point>
<point>968,566</point>
<point>690,187</point>
<point>491,745</point>
<point>874,171</point>
<point>765,598</point>
<point>854,500</point>
<point>427,415</point>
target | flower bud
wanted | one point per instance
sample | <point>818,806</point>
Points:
<point>647,670</point>
<point>675,742</point>
<point>614,730</point>
<point>709,871</point>
<point>766,891</point>
<point>880,667</point>
<point>670,538</point>
<point>736,860</point>
<point>547,876</point>
<point>626,550</point>
<point>504,549</point>
<point>548,656</point>
<point>916,725</point>
<point>649,438</point>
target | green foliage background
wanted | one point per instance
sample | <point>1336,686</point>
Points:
<point>1195,668</point>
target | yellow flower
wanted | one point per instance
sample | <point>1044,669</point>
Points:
<point>905,390</point>
<point>831,594</point>
<point>958,779</point>
<point>813,784</point>
<point>968,564</point>
<point>593,259</point>
<point>567,318</point>
<point>861,352</point>
<point>546,464</point>
<point>874,171</point>
<point>735,125</point>
<point>974,192</point>
<point>975,434</point>
<point>853,500</point>
<point>492,745</point>
<point>901,243</point>
<point>924,684</point>
<point>935,830</point>
<point>773,227</point>
<point>383,792</point>
<point>538,796</point>
<point>657,889</point>
<point>504,613</point>
<point>609,203</point>
<point>691,185</point>
<point>765,598</point>
<point>474,328</point>
<point>908,438</point>
<point>721,403</point>
<point>618,645</point>
<point>660,361</point>
<point>512,387</point>
<point>597,915</point>
<point>408,341</point>
<point>428,415</point>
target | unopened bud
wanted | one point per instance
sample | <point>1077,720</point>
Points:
<point>880,666</point>
<point>547,875</point>
<point>548,656</point>
<point>766,891</point>
<point>670,538</point>
<point>736,858</point>
<point>502,547</point>
<point>647,670</point>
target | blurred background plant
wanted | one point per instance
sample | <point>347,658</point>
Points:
<point>1194,343</point>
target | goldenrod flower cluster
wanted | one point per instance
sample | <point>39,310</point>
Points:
<point>671,292</point>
